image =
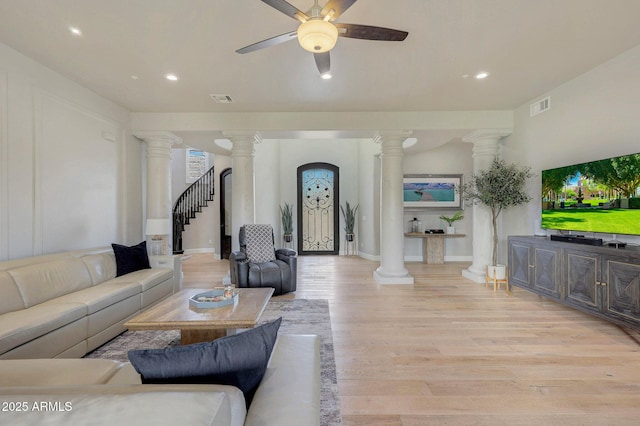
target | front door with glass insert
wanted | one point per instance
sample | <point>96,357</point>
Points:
<point>318,197</point>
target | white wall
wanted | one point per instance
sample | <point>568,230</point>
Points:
<point>592,117</point>
<point>70,170</point>
<point>268,175</point>
<point>275,168</point>
<point>368,223</point>
<point>452,158</point>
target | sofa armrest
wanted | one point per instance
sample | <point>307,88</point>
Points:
<point>289,393</point>
<point>173,262</point>
<point>239,269</point>
<point>285,252</point>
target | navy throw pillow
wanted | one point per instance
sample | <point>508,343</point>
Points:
<point>130,259</point>
<point>238,360</point>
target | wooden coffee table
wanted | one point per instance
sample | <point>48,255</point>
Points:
<point>202,325</point>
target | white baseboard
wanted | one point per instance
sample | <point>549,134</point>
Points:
<point>446,258</point>
<point>413,258</point>
<point>203,250</point>
<point>458,258</point>
<point>374,257</point>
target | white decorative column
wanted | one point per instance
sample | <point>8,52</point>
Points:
<point>159,146</point>
<point>242,181</point>
<point>485,149</point>
<point>392,270</point>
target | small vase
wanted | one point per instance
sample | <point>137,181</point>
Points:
<point>288,238</point>
<point>350,237</point>
<point>451,230</point>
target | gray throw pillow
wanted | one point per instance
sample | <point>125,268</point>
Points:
<point>238,360</point>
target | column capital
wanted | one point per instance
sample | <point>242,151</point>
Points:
<point>487,135</point>
<point>391,135</point>
<point>155,136</point>
<point>392,141</point>
<point>243,142</point>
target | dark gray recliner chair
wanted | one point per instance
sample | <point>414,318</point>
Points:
<point>259,264</point>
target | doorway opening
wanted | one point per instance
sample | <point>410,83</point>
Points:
<point>225,213</point>
<point>318,198</point>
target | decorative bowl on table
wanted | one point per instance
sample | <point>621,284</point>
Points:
<point>216,298</point>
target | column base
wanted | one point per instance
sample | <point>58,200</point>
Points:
<point>382,278</point>
<point>473,276</point>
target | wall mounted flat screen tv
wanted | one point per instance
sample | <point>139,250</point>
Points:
<point>599,196</point>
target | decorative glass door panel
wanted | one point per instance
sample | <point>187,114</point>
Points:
<point>317,213</point>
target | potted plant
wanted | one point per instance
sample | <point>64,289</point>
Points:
<point>450,221</point>
<point>349,215</point>
<point>286,215</point>
<point>498,187</point>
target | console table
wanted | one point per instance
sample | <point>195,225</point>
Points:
<point>599,280</point>
<point>432,245</point>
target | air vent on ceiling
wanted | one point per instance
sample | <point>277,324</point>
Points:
<point>222,99</point>
<point>540,106</point>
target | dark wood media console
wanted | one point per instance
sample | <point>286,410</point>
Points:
<point>599,280</point>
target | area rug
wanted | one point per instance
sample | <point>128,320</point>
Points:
<point>299,316</point>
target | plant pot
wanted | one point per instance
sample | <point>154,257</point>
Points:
<point>499,271</point>
<point>288,238</point>
<point>350,237</point>
<point>451,230</point>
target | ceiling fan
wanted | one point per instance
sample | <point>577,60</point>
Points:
<point>318,33</point>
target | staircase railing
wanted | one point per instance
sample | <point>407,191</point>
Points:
<point>191,202</point>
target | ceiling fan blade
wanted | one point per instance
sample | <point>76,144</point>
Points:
<point>368,32</point>
<point>269,42</point>
<point>323,62</point>
<point>288,9</point>
<point>339,6</point>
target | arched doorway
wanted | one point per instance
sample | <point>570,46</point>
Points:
<point>318,201</point>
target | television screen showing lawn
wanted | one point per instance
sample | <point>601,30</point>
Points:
<point>599,196</point>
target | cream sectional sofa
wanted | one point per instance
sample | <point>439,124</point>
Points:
<point>106,392</point>
<point>66,304</point>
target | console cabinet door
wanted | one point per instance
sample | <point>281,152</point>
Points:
<point>583,277</point>
<point>546,279</point>
<point>520,266</point>
<point>622,289</point>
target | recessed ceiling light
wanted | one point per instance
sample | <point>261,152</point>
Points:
<point>171,77</point>
<point>326,76</point>
<point>75,31</point>
<point>135,77</point>
<point>482,75</point>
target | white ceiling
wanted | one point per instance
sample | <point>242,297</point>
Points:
<point>527,46</point>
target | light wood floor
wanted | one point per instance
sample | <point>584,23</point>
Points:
<point>448,351</point>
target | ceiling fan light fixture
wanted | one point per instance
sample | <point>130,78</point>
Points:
<point>317,35</point>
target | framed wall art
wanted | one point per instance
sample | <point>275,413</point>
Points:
<point>432,191</point>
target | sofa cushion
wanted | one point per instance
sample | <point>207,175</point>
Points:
<point>106,405</point>
<point>130,259</point>
<point>102,266</point>
<point>146,278</point>
<point>11,299</point>
<point>17,328</point>
<point>238,360</point>
<point>58,372</point>
<point>100,296</point>
<point>48,280</point>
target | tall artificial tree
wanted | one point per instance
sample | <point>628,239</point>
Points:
<point>498,187</point>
